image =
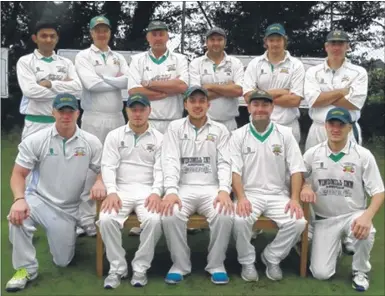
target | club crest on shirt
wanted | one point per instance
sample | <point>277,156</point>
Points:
<point>61,69</point>
<point>345,78</point>
<point>116,61</point>
<point>150,147</point>
<point>277,149</point>
<point>211,137</point>
<point>228,70</point>
<point>171,67</point>
<point>349,167</point>
<point>80,151</point>
<point>284,70</point>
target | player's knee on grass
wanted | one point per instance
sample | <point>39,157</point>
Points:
<point>321,272</point>
<point>64,258</point>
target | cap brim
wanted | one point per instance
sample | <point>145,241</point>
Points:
<point>98,24</point>
<point>339,118</point>
<point>137,102</point>
<point>338,39</point>
<point>261,98</point>
<point>275,33</point>
<point>61,106</point>
<point>216,33</point>
<point>196,90</point>
<point>157,29</point>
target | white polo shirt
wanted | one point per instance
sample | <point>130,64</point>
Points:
<point>265,161</point>
<point>289,74</point>
<point>322,78</point>
<point>34,67</point>
<point>144,67</point>
<point>340,180</point>
<point>59,167</point>
<point>203,71</point>
<point>129,160</point>
<point>196,157</point>
<point>102,90</point>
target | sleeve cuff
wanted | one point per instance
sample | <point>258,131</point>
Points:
<point>157,191</point>
<point>24,164</point>
<point>171,190</point>
<point>111,189</point>
<point>225,188</point>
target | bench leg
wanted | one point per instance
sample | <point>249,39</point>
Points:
<point>304,252</point>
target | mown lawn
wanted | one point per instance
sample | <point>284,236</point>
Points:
<point>80,277</point>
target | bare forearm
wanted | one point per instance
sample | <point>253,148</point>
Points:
<point>275,93</point>
<point>287,101</point>
<point>375,204</point>
<point>328,98</point>
<point>213,95</point>
<point>152,95</point>
<point>296,185</point>
<point>174,86</point>
<point>17,185</point>
<point>226,90</point>
<point>238,186</point>
<point>342,102</point>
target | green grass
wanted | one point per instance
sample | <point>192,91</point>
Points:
<point>80,277</point>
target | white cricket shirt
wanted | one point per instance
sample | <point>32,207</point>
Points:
<point>129,159</point>
<point>196,157</point>
<point>102,90</point>
<point>322,78</point>
<point>144,67</point>
<point>34,67</point>
<point>59,167</point>
<point>288,74</point>
<point>203,71</point>
<point>340,180</point>
<point>265,161</point>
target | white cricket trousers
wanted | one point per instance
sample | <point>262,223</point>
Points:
<point>317,134</point>
<point>231,124</point>
<point>59,228</point>
<point>98,124</point>
<point>197,199</point>
<point>33,127</point>
<point>110,226</point>
<point>295,129</point>
<point>160,125</point>
<point>326,244</point>
<point>273,207</point>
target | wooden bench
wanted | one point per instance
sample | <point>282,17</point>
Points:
<point>197,221</point>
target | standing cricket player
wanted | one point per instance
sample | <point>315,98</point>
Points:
<point>280,75</point>
<point>222,76</point>
<point>41,76</point>
<point>161,75</point>
<point>339,173</point>
<point>59,158</point>
<point>197,178</point>
<point>103,73</point>
<point>334,83</point>
<point>133,177</point>
<point>262,154</point>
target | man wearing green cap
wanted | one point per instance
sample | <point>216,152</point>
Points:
<point>58,159</point>
<point>41,76</point>
<point>133,177</point>
<point>279,74</point>
<point>103,74</point>
<point>339,173</point>
<point>197,178</point>
<point>263,153</point>
<point>161,75</point>
<point>222,76</point>
<point>335,83</point>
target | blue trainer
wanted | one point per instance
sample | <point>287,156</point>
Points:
<point>173,278</point>
<point>220,278</point>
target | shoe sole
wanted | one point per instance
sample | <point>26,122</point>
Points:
<point>358,288</point>
<point>264,261</point>
<point>248,280</point>
<point>219,283</point>
<point>139,285</point>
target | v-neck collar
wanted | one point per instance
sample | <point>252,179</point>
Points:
<point>261,137</point>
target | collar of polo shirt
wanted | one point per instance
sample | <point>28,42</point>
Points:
<point>94,48</point>
<point>40,56</point>
<point>345,150</point>
<point>56,133</point>
<point>208,122</point>
<point>287,56</point>
<point>166,54</point>
<point>127,129</point>
<point>327,68</point>
<point>226,57</point>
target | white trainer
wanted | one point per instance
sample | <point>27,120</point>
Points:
<point>113,280</point>
<point>273,271</point>
<point>249,273</point>
<point>139,279</point>
<point>360,281</point>
<point>20,280</point>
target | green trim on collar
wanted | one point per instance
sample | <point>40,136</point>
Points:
<point>47,60</point>
<point>336,157</point>
<point>161,59</point>
<point>258,136</point>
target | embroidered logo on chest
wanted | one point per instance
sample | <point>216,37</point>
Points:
<point>211,137</point>
<point>349,167</point>
<point>61,69</point>
<point>171,67</point>
<point>80,151</point>
<point>345,78</point>
<point>277,149</point>
<point>150,147</point>
<point>116,61</point>
<point>284,70</point>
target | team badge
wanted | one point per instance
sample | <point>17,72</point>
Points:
<point>61,69</point>
<point>345,78</point>
<point>210,137</point>
<point>171,67</point>
<point>150,147</point>
<point>277,149</point>
<point>284,70</point>
<point>116,61</point>
<point>349,168</point>
<point>80,151</point>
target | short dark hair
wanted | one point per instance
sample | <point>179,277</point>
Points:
<point>46,25</point>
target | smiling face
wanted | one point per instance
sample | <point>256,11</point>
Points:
<point>157,40</point>
<point>101,35</point>
<point>215,43</point>
<point>275,43</point>
<point>65,117</point>
<point>260,110</point>
<point>138,114</point>
<point>337,131</point>
<point>197,105</point>
<point>46,39</point>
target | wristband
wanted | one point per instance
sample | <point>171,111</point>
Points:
<point>15,200</point>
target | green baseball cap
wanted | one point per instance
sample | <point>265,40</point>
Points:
<point>138,99</point>
<point>97,20</point>
<point>337,35</point>
<point>340,114</point>
<point>275,29</point>
<point>157,25</point>
<point>65,100</point>
<point>260,95</point>
<point>193,89</point>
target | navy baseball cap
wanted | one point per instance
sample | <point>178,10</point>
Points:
<point>275,29</point>
<point>340,114</point>
<point>193,89</point>
<point>157,25</point>
<point>260,95</point>
<point>138,99</point>
<point>65,100</point>
<point>337,35</point>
